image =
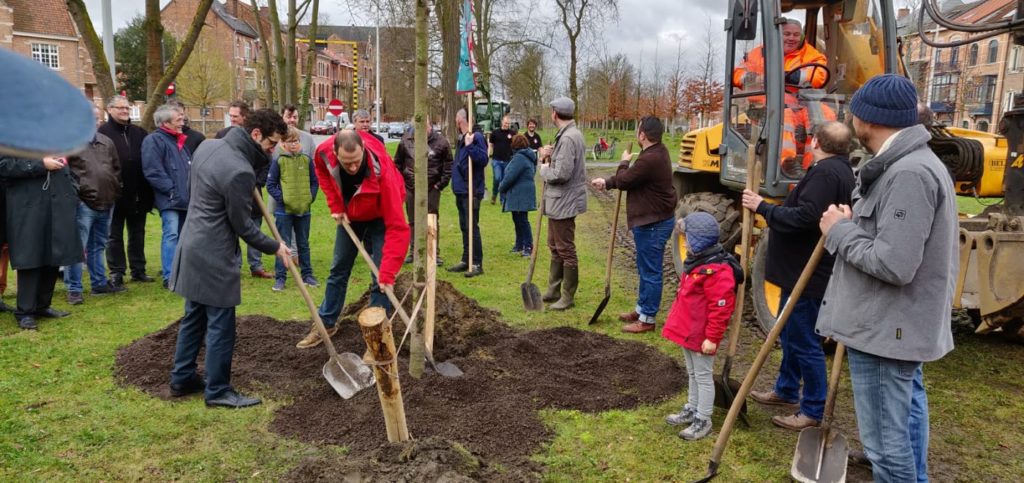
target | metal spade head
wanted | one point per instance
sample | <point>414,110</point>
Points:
<point>347,374</point>
<point>531,297</point>
<point>820,456</point>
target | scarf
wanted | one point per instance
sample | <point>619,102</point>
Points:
<point>180,137</point>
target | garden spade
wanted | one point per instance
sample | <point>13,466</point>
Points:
<point>345,372</point>
<point>821,454</point>
<point>611,253</point>
<point>531,294</point>
<point>446,369</point>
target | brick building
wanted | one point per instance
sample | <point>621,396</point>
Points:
<point>44,31</point>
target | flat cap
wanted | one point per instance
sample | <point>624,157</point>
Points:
<point>563,106</point>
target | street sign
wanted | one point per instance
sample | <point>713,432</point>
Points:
<point>336,107</point>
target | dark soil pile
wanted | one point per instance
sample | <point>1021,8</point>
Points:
<point>491,411</point>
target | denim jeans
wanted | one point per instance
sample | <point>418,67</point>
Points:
<point>498,170</point>
<point>462,203</point>
<point>171,223</point>
<point>892,415</point>
<point>300,224</point>
<point>252,255</point>
<point>94,229</point>
<point>802,358</point>
<point>217,326</point>
<point>524,233</point>
<point>345,252</point>
<point>650,242</point>
<point>701,388</point>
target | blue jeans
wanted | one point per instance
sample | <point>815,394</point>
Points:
<point>217,325</point>
<point>462,203</point>
<point>345,252</point>
<point>171,223</point>
<point>94,229</point>
<point>650,242</point>
<point>524,233</point>
<point>802,358</point>
<point>498,170</point>
<point>892,415</point>
<point>300,223</point>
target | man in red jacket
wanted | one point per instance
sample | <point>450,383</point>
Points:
<point>362,185</point>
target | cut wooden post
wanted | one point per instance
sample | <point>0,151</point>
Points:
<point>380,345</point>
<point>430,314</point>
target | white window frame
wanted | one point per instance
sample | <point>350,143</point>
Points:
<point>46,54</point>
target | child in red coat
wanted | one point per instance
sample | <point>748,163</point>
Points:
<point>699,317</point>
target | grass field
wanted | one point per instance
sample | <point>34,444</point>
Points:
<point>64,417</point>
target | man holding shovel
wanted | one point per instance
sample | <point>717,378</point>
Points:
<point>794,233</point>
<point>206,263</point>
<point>362,185</point>
<point>651,201</point>
<point>894,276</point>
<point>470,148</point>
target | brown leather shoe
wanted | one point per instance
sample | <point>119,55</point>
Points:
<point>769,398</point>
<point>261,273</point>
<point>795,422</point>
<point>637,328</point>
<point>630,316</point>
<point>313,339</point>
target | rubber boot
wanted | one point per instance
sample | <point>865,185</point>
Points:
<point>569,283</point>
<point>554,281</point>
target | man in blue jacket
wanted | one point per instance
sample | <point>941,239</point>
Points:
<point>471,148</point>
<point>165,162</point>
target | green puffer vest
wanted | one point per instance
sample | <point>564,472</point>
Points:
<point>295,178</point>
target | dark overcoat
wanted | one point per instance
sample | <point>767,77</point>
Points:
<point>42,206</point>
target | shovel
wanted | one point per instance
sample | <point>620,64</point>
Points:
<point>821,454</point>
<point>446,369</point>
<point>531,294</point>
<point>611,252</point>
<point>345,372</point>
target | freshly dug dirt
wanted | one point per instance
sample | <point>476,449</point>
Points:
<point>489,414</point>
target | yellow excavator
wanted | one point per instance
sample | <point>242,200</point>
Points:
<point>859,40</point>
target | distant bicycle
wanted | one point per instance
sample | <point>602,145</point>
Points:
<point>603,149</point>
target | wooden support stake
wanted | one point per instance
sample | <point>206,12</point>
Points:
<point>431,313</point>
<point>380,345</point>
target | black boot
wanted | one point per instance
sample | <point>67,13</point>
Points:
<point>554,281</point>
<point>569,284</point>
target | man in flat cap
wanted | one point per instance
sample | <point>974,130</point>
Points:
<point>563,171</point>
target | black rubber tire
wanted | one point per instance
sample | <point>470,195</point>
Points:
<point>765,318</point>
<point>722,207</point>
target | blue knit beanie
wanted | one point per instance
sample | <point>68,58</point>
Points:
<point>886,100</point>
<point>701,231</point>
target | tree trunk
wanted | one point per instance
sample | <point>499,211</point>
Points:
<point>154,45</point>
<point>279,62</point>
<point>380,344</point>
<point>448,20</point>
<point>420,168</point>
<point>310,61</point>
<point>574,90</point>
<point>100,64</point>
<point>268,72</point>
<point>177,62</point>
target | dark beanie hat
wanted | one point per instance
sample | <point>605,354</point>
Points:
<point>701,231</point>
<point>886,100</point>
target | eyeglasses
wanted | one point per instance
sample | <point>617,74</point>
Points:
<point>120,108</point>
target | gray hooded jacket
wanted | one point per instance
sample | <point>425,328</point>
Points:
<point>565,195</point>
<point>896,261</point>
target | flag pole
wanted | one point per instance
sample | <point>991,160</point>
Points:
<point>469,116</point>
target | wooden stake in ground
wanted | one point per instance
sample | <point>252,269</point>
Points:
<point>431,313</point>
<point>380,345</point>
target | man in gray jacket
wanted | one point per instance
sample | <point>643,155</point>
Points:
<point>892,284</point>
<point>206,264</point>
<point>563,170</point>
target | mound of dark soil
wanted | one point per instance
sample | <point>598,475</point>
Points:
<point>491,411</point>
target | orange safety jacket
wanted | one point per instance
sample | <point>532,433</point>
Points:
<point>754,62</point>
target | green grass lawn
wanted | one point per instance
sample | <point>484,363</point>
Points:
<point>64,417</point>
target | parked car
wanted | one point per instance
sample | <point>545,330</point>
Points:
<point>323,127</point>
<point>396,129</point>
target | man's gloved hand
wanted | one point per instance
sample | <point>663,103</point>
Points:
<point>793,78</point>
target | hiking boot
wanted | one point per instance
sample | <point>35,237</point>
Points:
<point>631,316</point>
<point>311,281</point>
<point>459,267</point>
<point>313,339</point>
<point>697,430</point>
<point>278,285</point>
<point>684,416</point>
<point>769,398</point>
<point>475,271</point>
<point>193,385</point>
<point>554,291</point>
<point>109,288</point>
<point>638,328</point>
<point>28,323</point>
<point>795,422</point>
<point>75,298</point>
<point>570,281</point>
<point>261,273</point>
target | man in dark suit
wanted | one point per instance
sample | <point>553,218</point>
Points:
<point>206,265</point>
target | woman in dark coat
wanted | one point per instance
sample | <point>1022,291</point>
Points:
<point>42,231</point>
<point>520,193</point>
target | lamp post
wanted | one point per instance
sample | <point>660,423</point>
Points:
<point>108,40</point>
<point>376,70</point>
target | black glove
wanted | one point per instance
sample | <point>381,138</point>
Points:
<point>793,77</point>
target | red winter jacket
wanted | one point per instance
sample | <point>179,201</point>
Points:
<point>703,306</point>
<point>381,195</point>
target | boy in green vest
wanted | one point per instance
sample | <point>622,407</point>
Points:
<point>293,185</point>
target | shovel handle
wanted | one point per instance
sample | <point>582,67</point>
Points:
<point>317,322</point>
<point>833,387</point>
<point>611,242</point>
<point>536,237</point>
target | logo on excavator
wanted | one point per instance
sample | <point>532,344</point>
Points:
<point>1019,162</point>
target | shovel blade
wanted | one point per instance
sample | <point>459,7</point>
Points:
<point>809,457</point>
<point>347,374</point>
<point>448,369</point>
<point>601,306</point>
<point>531,297</point>
<point>725,393</point>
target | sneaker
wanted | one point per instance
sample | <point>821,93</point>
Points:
<point>795,422</point>
<point>116,279</point>
<point>684,416</point>
<point>109,288</point>
<point>440,262</point>
<point>141,277</point>
<point>477,270</point>
<point>75,298</point>
<point>166,284</point>
<point>527,252</point>
<point>311,281</point>
<point>697,430</point>
<point>516,250</point>
<point>769,398</point>
<point>312,339</point>
<point>459,267</point>
<point>637,328</point>
<point>278,285</point>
